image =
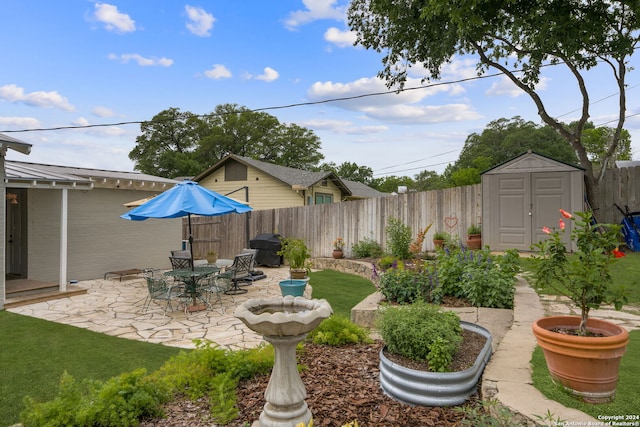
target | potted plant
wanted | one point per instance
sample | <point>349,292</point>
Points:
<point>420,333</point>
<point>439,238</point>
<point>474,237</point>
<point>212,257</point>
<point>297,254</point>
<point>583,354</point>
<point>338,246</point>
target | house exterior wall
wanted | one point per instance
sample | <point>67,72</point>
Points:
<point>330,188</point>
<point>265,192</point>
<point>98,239</point>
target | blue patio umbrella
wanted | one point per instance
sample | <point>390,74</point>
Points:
<point>185,199</point>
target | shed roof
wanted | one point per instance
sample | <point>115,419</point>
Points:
<point>531,162</point>
<point>15,144</point>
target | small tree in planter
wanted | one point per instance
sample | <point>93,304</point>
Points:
<point>297,254</point>
<point>582,354</point>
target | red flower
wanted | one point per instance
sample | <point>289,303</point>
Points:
<point>561,223</point>
<point>546,230</point>
<point>566,214</point>
<point>618,254</point>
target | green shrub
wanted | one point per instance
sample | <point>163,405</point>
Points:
<point>389,261</point>
<point>366,248</point>
<point>483,279</point>
<point>120,401</point>
<point>398,238</point>
<point>406,286</point>
<point>422,332</point>
<point>223,399</point>
<point>338,330</point>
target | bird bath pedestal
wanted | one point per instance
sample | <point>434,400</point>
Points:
<point>284,322</point>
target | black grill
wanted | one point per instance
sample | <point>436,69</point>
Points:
<point>268,246</point>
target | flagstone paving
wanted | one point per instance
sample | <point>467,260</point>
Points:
<point>115,308</point>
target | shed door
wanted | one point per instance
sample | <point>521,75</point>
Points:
<point>526,203</point>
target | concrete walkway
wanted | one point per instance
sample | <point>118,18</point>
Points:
<point>115,308</point>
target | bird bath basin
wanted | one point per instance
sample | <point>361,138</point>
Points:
<point>284,322</point>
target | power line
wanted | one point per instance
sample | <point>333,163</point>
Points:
<point>279,107</point>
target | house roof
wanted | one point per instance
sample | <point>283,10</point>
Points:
<point>15,144</point>
<point>362,191</point>
<point>627,163</point>
<point>34,175</point>
<point>298,179</point>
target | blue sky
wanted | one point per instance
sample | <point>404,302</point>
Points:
<point>82,62</point>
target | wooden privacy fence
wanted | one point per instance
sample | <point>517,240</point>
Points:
<point>450,210</point>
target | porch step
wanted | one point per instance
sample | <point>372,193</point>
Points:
<point>48,293</point>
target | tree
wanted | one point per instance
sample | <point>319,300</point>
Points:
<point>595,141</point>
<point>429,180</point>
<point>504,139</point>
<point>390,184</point>
<point>167,145</point>
<point>517,38</point>
<point>176,143</point>
<point>350,171</point>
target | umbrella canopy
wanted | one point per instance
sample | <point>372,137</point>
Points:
<point>185,199</point>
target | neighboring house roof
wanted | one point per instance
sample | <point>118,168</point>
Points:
<point>627,163</point>
<point>32,175</point>
<point>298,179</point>
<point>362,191</point>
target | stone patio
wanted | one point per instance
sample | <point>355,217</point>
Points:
<point>115,308</point>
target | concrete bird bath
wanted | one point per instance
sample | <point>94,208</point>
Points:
<point>284,322</point>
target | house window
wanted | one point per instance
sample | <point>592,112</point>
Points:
<point>234,171</point>
<point>323,198</point>
<point>324,183</point>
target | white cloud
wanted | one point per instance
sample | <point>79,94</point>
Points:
<point>316,9</point>
<point>53,99</point>
<point>141,60</point>
<point>505,87</point>
<point>100,111</point>
<point>269,75</point>
<point>200,21</point>
<point>218,71</point>
<point>20,122</point>
<point>342,127</point>
<point>112,19</point>
<point>403,107</point>
<point>340,38</point>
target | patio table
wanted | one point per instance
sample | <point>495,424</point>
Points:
<point>191,279</point>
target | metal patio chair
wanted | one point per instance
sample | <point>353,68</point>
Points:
<point>161,290</point>
<point>238,272</point>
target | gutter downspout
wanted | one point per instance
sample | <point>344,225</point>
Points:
<point>64,209</point>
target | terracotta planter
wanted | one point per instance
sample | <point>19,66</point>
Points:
<point>474,241</point>
<point>337,254</point>
<point>438,243</point>
<point>585,366</point>
<point>423,388</point>
<point>298,274</point>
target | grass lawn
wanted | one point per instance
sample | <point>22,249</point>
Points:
<point>343,291</point>
<point>35,353</point>
<point>627,399</point>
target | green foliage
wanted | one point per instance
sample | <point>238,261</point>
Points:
<point>296,253</point>
<point>405,286</point>
<point>223,399</point>
<point>484,279</point>
<point>176,143</point>
<point>585,278</point>
<point>120,401</point>
<point>337,330</point>
<point>366,248</point>
<point>489,414</point>
<point>474,229</point>
<point>422,332</point>
<point>389,261</point>
<point>399,238</point>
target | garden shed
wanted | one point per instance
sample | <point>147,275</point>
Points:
<point>524,194</point>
